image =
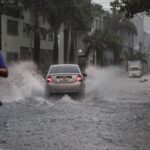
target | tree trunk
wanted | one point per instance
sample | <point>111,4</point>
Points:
<point>69,44</point>
<point>36,49</point>
<point>116,56</point>
<point>131,53</point>
<point>67,41</point>
<point>73,48</point>
<point>100,57</point>
<point>66,34</point>
<point>55,47</point>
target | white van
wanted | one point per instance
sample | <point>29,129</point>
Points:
<point>134,68</point>
<point>134,71</point>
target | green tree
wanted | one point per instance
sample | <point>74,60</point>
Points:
<point>78,19</point>
<point>36,8</point>
<point>100,41</point>
<point>117,25</point>
<point>97,10</point>
<point>54,13</point>
<point>116,22</point>
<point>95,42</point>
<point>138,56</point>
<point>106,37</point>
<point>75,15</point>
<point>131,7</point>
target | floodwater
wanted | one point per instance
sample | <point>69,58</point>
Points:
<point>115,114</point>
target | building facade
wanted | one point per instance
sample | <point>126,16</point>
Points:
<point>17,39</point>
<point>138,21</point>
<point>141,40</point>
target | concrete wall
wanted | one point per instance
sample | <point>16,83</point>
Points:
<point>127,40</point>
<point>146,24</point>
<point>13,43</point>
<point>146,41</point>
<point>147,49</point>
<point>138,39</point>
<point>142,40</point>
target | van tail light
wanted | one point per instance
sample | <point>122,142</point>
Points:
<point>49,79</point>
<point>79,78</point>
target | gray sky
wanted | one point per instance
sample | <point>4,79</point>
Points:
<point>104,3</point>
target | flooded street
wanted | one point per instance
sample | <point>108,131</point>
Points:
<point>114,115</point>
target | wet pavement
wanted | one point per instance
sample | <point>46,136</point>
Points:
<point>115,115</point>
<point>65,125</point>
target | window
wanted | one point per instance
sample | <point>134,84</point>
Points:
<point>64,69</point>
<point>12,57</point>
<point>12,27</point>
<point>50,35</point>
<point>26,30</point>
<point>25,53</point>
<point>43,33</point>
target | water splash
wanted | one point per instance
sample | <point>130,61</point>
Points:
<point>24,81</point>
<point>101,80</point>
<point>112,83</point>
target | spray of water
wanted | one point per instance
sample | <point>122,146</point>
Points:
<point>100,81</point>
<point>112,83</point>
<point>23,81</point>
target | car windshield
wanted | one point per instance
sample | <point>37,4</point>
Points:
<point>134,69</point>
<point>64,69</point>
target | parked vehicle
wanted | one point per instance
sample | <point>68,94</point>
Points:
<point>65,78</point>
<point>134,69</point>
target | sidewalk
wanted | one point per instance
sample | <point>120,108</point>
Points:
<point>147,77</point>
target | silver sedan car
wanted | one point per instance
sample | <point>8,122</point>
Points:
<point>65,78</point>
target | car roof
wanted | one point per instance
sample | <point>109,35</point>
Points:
<point>71,65</point>
<point>64,65</point>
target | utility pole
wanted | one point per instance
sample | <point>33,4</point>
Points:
<point>36,49</point>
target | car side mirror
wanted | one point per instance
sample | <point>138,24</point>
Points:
<point>84,74</point>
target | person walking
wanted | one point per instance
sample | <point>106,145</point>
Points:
<point>3,69</point>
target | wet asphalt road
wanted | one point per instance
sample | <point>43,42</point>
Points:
<point>69,125</point>
<point>115,115</point>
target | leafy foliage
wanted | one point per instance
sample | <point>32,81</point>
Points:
<point>97,10</point>
<point>115,22</point>
<point>131,7</point>
<point>100,41</point>
<point>108,37</point>
<point>36,8</point>
<point>75,14</point>
<point>138,56</point>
